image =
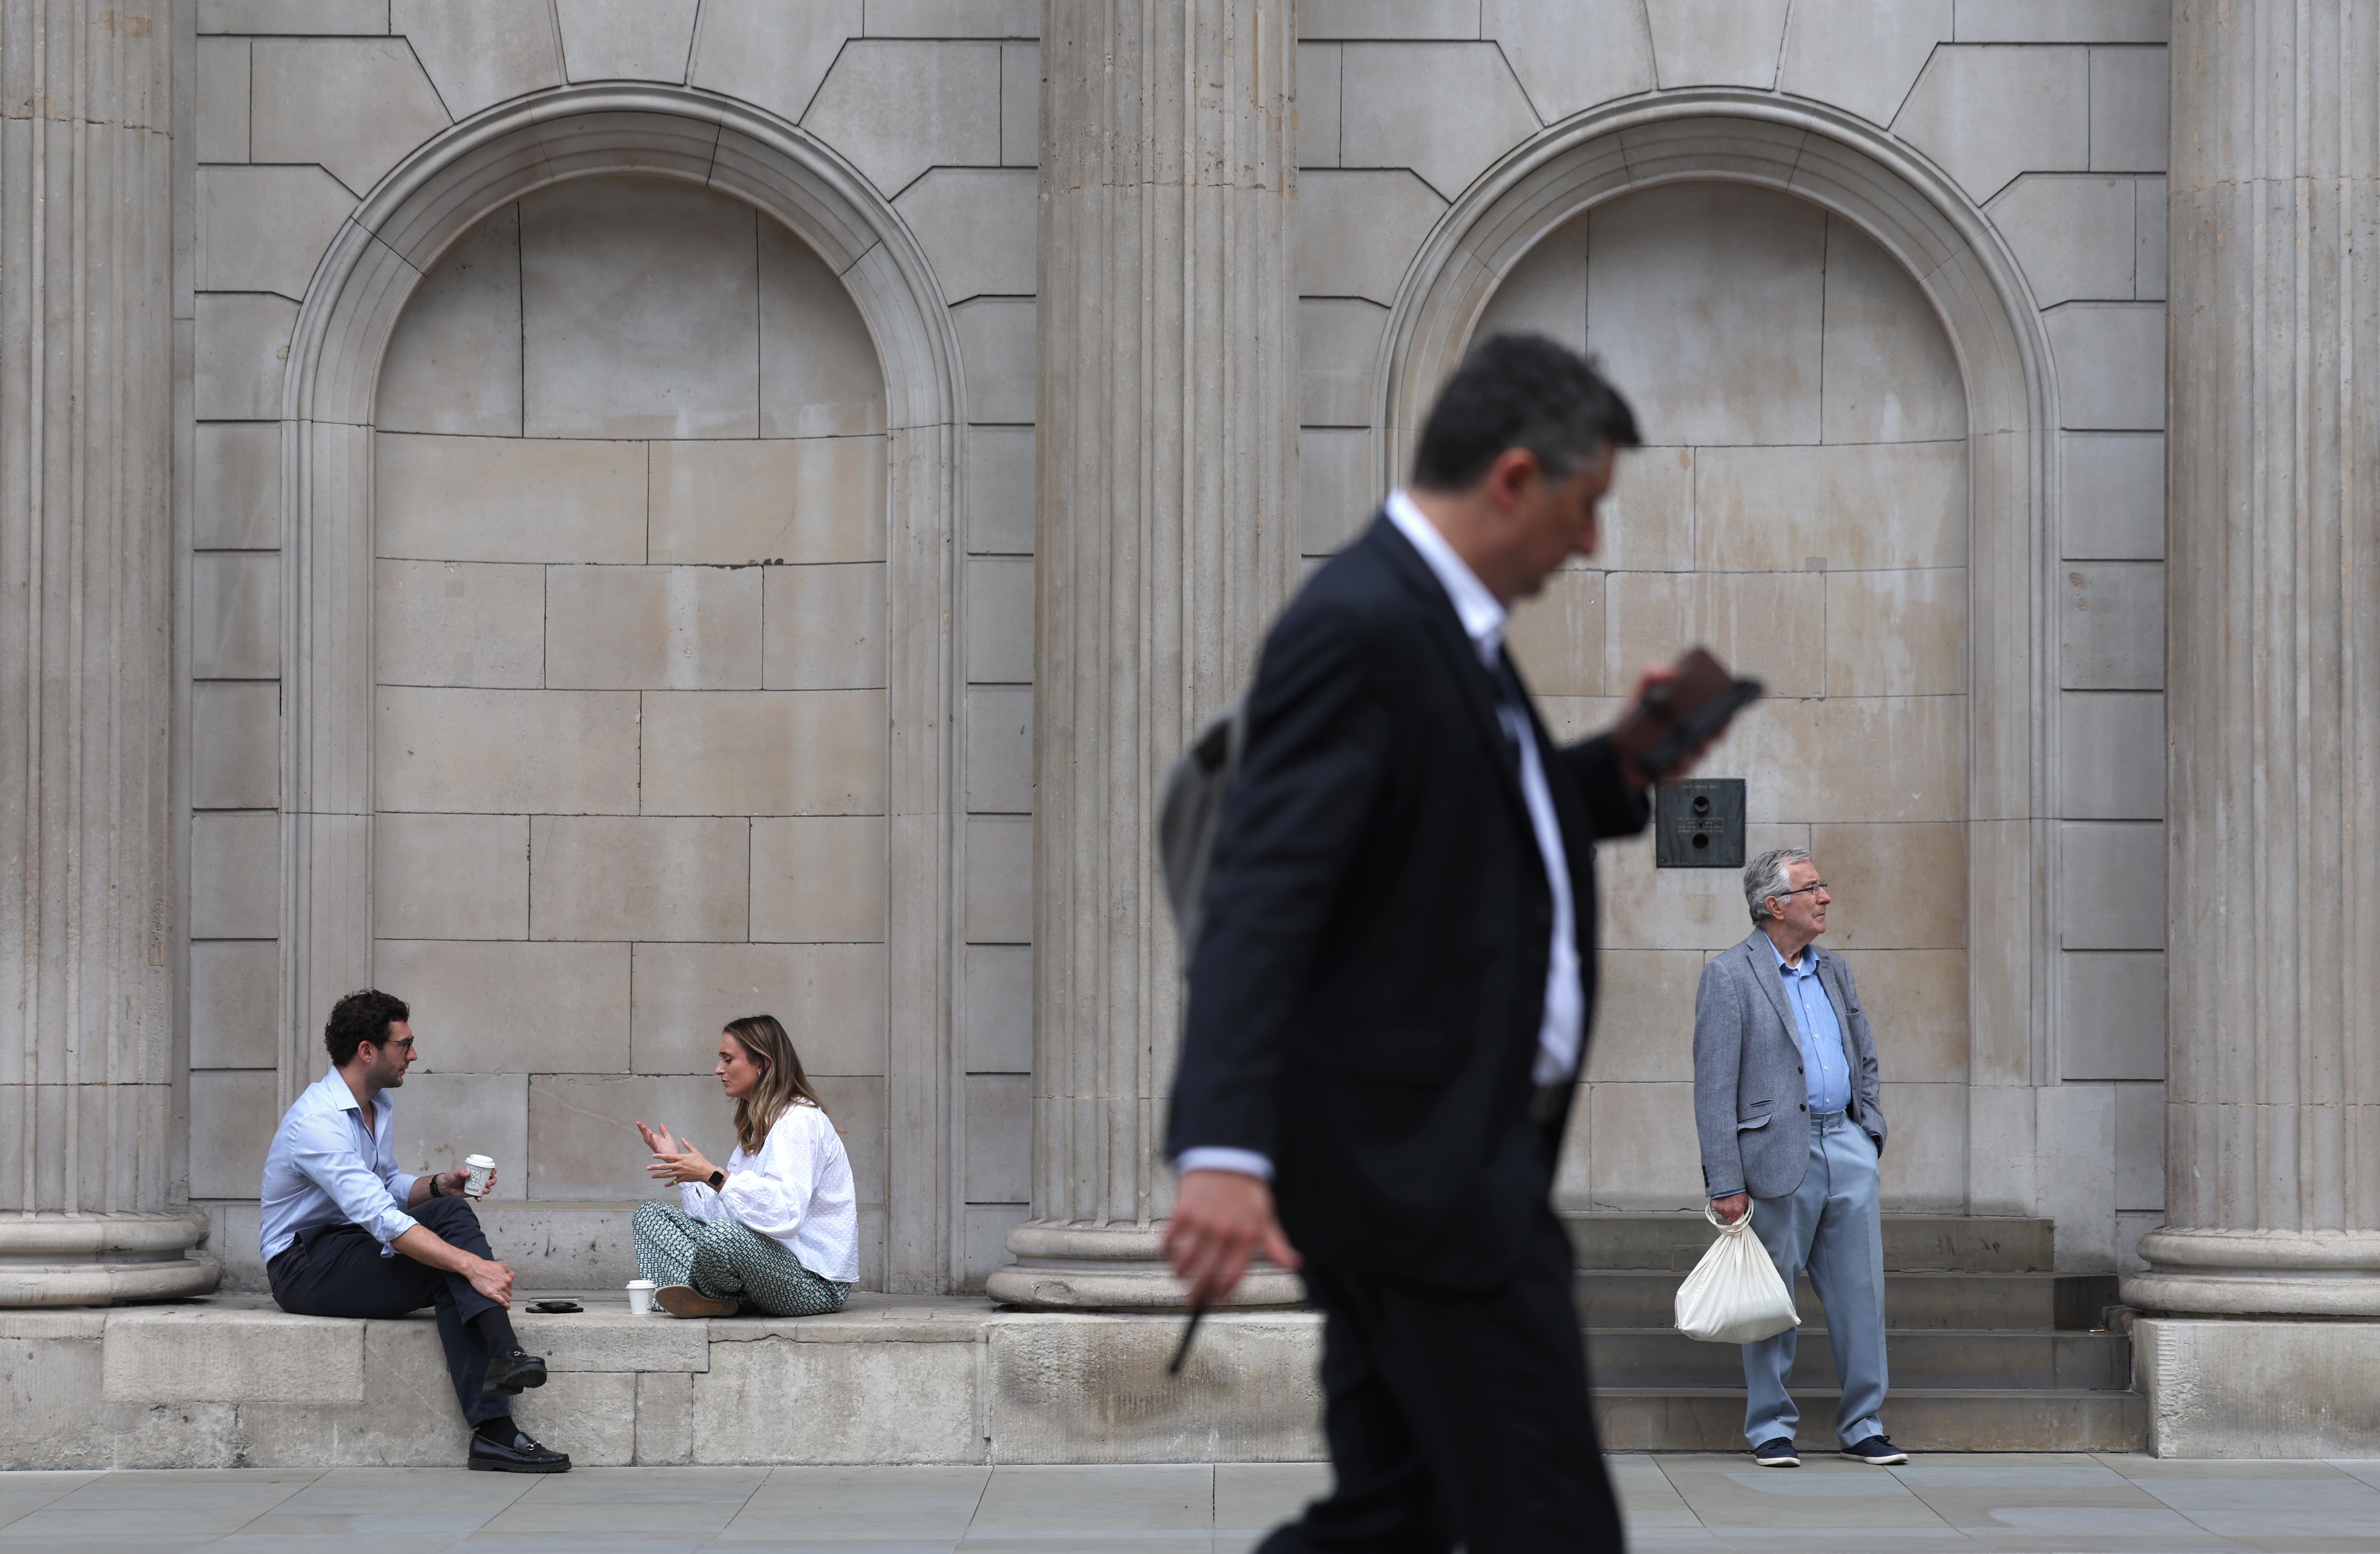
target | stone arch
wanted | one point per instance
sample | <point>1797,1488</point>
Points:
<point>1931,227</point>
<point>380,255</point>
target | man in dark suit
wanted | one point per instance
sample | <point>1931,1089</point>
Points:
<point>1391,988</point>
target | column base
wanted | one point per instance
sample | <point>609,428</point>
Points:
<point>102,1259</point>
<point>2245,1389</point>
<point>2258,1273</point>
<point>1113,1267</point>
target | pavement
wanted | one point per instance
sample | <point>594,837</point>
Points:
<point>2076,1502</point>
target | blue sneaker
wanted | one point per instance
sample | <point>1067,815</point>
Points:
<point>1778,1453</point>
<point>1878,1451</point>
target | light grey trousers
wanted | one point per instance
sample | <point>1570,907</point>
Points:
<point>1832,1225</point>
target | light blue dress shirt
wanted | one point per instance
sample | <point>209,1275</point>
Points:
<point>325,1168</point>
<point>1823,1062</point>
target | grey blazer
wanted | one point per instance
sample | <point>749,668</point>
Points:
<point>1751,1098</point>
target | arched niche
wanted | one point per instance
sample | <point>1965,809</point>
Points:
<point>1929,228</point>
<point>423,207</point>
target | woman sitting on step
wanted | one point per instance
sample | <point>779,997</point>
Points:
<point>778,1229</point>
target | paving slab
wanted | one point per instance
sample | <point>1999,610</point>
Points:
<point>2006,1503</point>
<point>876,1506</point>
<point>23,1493</point>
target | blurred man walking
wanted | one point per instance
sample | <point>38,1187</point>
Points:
<point>1394,981</point>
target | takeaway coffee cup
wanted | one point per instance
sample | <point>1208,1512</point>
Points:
<point>481,1169</point>
<point>640,1297</point>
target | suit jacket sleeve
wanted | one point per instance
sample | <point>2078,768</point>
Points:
<point>1319,734</point>
<point>1718,1059</point>
<point>1613,809</point>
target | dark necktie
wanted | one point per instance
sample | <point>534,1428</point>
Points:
<point>1510,695</point>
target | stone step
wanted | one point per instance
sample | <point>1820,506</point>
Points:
<point>1643,1298</point>
<point>1920,1419</point>
<point>1973,1359</point>
<point>1913,1242</point>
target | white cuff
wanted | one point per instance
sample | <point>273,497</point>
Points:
<point>1215,1156</point>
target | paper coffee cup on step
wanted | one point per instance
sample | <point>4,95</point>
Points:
<point>640,1297</point>
<point>481,1169</point>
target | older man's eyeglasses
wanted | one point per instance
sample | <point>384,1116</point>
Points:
<point>1804,890</point>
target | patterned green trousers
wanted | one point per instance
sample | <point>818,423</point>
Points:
<point>728,1260</point>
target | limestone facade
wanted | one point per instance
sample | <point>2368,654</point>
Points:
<point>2274,1122</point>
<point>93,1200</point>
<point>608,435</point>
<point>1166,540</point>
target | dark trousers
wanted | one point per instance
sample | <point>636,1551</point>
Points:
<point>1457,1418</point>
<point>337,1270</point>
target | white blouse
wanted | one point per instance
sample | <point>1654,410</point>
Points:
<point>797,1191</point>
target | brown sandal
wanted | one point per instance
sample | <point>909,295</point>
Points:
<point>685,1300</point>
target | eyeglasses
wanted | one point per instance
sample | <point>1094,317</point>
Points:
<point>1804,890</point>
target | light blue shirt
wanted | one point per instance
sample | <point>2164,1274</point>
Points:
<point>325,1168</point>
<point>1823,1062</point>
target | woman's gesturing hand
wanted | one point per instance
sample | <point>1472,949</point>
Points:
<point>673,1159</point>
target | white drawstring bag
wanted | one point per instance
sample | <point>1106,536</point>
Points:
<point>1734,1295</point>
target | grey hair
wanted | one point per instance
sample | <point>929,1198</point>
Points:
<point>1765,876</point>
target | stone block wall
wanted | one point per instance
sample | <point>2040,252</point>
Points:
<point>630,625</point>
<point>1847,594</point>
<point>1800,508</point>
<point>627,782</point>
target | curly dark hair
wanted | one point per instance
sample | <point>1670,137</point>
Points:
<point>361,1018</point>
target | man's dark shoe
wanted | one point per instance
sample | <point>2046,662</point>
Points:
<point>1877,1450</point>
<point>1778,1453</point>
<point>507,1374</point>
<point>520,1455</point>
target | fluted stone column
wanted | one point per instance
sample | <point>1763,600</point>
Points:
<point>91,1174</point>
<point>2273,1117</point>
<point>1167,425</point>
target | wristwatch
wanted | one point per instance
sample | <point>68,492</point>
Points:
<point>718,1179</point>
<point>433,1185</point>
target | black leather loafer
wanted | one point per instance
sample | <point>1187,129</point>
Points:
<point>522,1455</point>
<point>508,1374</point>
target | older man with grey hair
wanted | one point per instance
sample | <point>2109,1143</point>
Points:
<point>1787,1107</point>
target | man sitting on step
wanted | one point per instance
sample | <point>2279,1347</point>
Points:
<point>345,1233</point>
<point>1786,1103</point>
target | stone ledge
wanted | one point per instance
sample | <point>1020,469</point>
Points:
<point>2233,1387</point>
<point>232,1380</point>
<point>195,1354</point>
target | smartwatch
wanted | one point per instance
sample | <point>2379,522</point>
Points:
<point>718,1179</point>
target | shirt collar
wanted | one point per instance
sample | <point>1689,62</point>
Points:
<point>1482,618</point>
<point>336,1094</point>
<point>1809,958</point>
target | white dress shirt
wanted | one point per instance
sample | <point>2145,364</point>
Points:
<point>1563,1022</point>
<point>325,1168</point>
<point>798,1192</point>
